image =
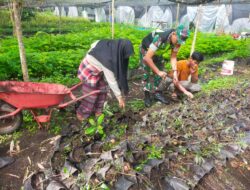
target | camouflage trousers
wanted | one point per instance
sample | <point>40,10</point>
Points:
<point>150,80</point>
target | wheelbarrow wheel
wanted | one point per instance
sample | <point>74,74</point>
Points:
<point>10,124</point>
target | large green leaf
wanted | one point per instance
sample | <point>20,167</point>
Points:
<point>100,119</point>
<point>92,122</point>
<point>90,130</point>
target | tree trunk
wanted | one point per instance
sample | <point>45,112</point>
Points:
<point>18,30</point>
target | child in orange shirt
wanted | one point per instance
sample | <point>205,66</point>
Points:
<point>185,69</point>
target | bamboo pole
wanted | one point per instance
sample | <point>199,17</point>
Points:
<point>18,29</point>
<point>196,28</point>
<point>113,19</point>
<point>177,14</point>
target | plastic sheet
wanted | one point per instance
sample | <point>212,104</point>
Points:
<point>56,11</point>
<point>152,17</point>
<point>73,11</point>
<point>176,183</point>
<point>125,14</point>
<point>198,172</point>
<point>35,181</point>
<point>102,172</point>
<point>55,185</point>
<point>70,170</point>
<point>222,18</point>
<point>100,15</point>
<point>5,161</point>
<point>85,14</point>
<point>240,25</point>
<point>123,184</point>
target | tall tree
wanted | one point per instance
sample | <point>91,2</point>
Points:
<point>16,7</point>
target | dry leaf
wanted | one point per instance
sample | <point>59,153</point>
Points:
<point>126,167</point>
<point>12,144</point>
<point>13,175</point>
<point>43,149</point>
<point>40,166</point>
<point>29,160</point>
<point>248,168</point>
<point>26,174</point>
<point>234,164</point>
<point>18,147</point>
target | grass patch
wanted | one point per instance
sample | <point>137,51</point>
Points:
<point>225,82</point>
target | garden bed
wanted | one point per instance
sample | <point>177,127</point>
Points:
<point>159,147</point>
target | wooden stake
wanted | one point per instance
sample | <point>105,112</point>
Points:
<point>113,19</point>
<point>18,28</point>
<point>196,28</point>
<point>177,14</point>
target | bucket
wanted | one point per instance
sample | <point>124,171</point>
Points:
<point>227,67</point>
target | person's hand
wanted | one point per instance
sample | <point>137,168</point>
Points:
<point>192,70</point>
<point>162,74</point>
<point>189,94</point>
<point>121,102</point>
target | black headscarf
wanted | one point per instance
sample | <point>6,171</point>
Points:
<point>114,55</point>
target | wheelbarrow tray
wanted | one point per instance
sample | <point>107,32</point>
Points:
<point>27,95</point>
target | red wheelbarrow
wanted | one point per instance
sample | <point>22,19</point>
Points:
<point>17,96</point>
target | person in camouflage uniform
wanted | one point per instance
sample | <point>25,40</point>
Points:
<point>152,61</point>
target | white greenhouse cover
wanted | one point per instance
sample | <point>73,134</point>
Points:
<point>57,11</point>
<point>240,25</point>
<point>213,17</point>
<point>125,14</point>
<point>73,11</point>
<point>85,14</point>
<point>168,18</point>
<point>222,20</point>
<point>151,17</point>
<point>100,15</point>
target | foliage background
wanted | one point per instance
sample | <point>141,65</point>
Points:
<point>55,46</point>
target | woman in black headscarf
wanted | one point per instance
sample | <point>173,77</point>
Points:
<point>107,59</point>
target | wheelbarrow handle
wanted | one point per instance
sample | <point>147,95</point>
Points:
<point>76,86</point>
<point>11,114</point>
<point>77,99</point>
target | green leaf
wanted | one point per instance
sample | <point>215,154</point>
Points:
<point>100,119</point>
<point>90,131</point>
<point>92,122</point>
<point>100,130</point>
<point>104,187</point>
<point>65,170</point>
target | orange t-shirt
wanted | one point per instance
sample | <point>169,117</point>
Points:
<point>183,70</point>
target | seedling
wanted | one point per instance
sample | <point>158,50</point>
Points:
<point>199,159</point>
<point>95,127</point>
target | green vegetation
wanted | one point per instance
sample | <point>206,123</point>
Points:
<point>7,138</point>
<point>135,105</point>
<point>220,83</point>
<point>95,127</point>
<point>55,46</point>
<point>153,152</point>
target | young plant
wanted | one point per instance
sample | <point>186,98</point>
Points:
<point>154,152</point>
<point>199,160</point>
<point>95,127</point>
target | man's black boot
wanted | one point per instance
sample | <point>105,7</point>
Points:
<point>159,97</point>
<point>147,100</point>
